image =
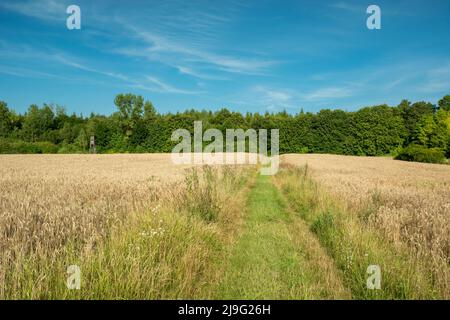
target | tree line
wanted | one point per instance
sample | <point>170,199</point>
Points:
<point>136,126</point>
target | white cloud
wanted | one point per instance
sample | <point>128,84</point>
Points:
<point>193,73</point>
<point>67,61</point>
<point>29,73</point>
<point>348,6</point>
<point>280,96</point>
<point>162,87</point>
<point>437,79</point>
<point>44,9</point>
<point>328,93</point>
<point>157,47</point>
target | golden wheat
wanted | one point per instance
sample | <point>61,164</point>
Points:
<point>109,213</point>
<point>408,203</point>
<point>55,209</point>
<point>46,201</point>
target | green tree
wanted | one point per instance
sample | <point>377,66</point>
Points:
<point>330,128</point>
<point>413,113</point>
<point>443,118</point>
<point>137,126</point>
<point>444,103</point>
<point>5,120</point>
<point>37,121</point>
<point>130,111</point>
<point>433,131</point>
<point>103,128</point>
<point>377,131</point>
<point>149,111</point>
<point>82,140</point>
<point>426,131</point>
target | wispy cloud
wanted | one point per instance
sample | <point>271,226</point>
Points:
<point>29,73</point>
<point>27,53</point>
<point>193,73</point>
<point>437,79</point>
<point>71,63</point>
<point>265,98</point>
<point>328,93</point>
<point>43,9</point>
<point>178,47</point>
<point>136,81</point>
<point>347,6</point>
<point>158,47</point>
<point>271,95</point>
<point>162,87</point>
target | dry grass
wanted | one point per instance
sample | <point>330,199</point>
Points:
<point>407,203</point>
<point>55,209</point>
<point>47,199</point>
<point>140,227</point>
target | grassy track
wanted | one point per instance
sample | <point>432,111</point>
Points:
<point>277,257</point>
<point>222,234</point>
<point>354,245</point>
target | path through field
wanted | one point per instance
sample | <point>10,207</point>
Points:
<point>277,257</point>
<point>141,228</point>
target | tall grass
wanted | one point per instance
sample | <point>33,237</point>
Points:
<point>171,247</point>
<point>355,244</point>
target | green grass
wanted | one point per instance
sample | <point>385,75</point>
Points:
<point>175,252</point>
<point>269,261</point>
<point>229,235</point>
<point>353,245</point>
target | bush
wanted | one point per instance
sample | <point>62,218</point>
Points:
<point>11,146</point>
<point>447,154</point>
<point>70,148</point>
<point>46,147</point>
<point>419,153</point>
<point>140,149</point>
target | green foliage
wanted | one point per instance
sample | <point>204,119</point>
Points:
<point>329,131</point>
<point>149,111</point>
<point>5,120</point>
<point>82,140</point>
<point>46,147</point>
<point>377,131</point>
<point>138,127</point>
<point>118,143</point>
<point>130,111</point>
<point>37,121</point>
<point>11,146</point>
<point>431,132</point>
<point>444,103</point>
<point>412,113</point>
<point>71,149</point>
<point>419,153</point>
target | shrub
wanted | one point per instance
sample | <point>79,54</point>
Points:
<point>447,154</point>
<point>419,153</point>
<point>140,149</point>
<point>46,147</point>
<point>11,146</point>
<point>70,148</point>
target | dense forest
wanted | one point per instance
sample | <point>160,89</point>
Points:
<point>411,131</point>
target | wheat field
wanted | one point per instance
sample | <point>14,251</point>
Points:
<point>176,226</point>
<point>47,199</point>
<point>407,203</point>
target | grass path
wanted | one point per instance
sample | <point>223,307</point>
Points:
<point>277,257</point>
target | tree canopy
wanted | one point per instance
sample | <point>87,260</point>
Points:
<point>138,127</point>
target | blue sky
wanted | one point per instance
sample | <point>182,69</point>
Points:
<point>246,55</point>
